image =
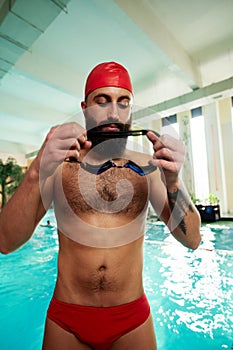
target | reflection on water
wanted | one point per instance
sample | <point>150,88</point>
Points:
<point>191,293</point>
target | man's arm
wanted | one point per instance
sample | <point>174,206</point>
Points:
<point>33,197</point>
<point>22,213</point>
<point>168,195</point>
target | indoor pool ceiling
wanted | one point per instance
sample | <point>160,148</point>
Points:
<point>177,51</point>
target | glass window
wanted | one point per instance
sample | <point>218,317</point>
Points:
<point>170,126</point>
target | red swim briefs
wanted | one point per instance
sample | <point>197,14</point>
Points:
<point>99,327</point>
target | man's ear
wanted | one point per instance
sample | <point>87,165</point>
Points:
<point>83,105</point>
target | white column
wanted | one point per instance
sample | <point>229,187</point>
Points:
<point>183,119</point>
<point>215,153</point>
<point>225,113</point>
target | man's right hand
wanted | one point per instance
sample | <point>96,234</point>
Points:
<point>61,142</point>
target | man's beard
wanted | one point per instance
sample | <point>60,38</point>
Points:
<point>108,147</point>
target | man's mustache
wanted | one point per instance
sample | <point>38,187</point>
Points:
<point>122,127</point>
<point>105,123</point>
<point>92,134</point>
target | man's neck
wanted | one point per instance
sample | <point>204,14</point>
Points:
<point>95,157</point>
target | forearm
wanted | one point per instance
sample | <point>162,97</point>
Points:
<point>178,211</point>
<point>22,213</point>
<point>184,219</point>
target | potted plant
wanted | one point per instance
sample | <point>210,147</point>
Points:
<point>209,208</point>
<point>11,174</point>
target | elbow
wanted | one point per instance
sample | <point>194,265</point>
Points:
<point>194,244</point>
<point>4,249</point>
<point>196,235</point>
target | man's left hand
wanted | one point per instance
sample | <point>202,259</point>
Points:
<point>169,155</point>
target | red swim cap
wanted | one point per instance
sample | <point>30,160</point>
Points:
<point>108,74</point>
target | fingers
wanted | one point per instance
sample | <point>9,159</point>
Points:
<point>168,152</point>
<point>153,137</point>
<point>69,136</point>
<point>160,141</point>
<point>69,131</point>
<point>62,142</point>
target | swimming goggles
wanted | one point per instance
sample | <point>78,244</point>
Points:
<point>119,134</point>
<point>101,168</point>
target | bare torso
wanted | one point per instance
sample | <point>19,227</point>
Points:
<point>101,222</point>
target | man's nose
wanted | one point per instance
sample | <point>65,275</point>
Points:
<point>113,112</point>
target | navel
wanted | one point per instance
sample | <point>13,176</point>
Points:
<point>102,268</point>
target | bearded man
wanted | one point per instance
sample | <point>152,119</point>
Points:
<point>101,191</point>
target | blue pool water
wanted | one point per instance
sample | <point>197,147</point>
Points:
<point>191,293</point>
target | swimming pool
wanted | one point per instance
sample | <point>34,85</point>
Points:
<point>191,293</point>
